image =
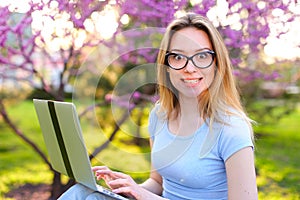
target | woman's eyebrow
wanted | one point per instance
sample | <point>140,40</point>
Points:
<point>182,51</point>
<point>177,50</point>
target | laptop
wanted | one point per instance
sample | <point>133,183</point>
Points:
<point>62,134</point>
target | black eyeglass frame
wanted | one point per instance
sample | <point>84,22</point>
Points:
<point>212,53</point>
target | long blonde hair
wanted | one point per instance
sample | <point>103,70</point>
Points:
<point>221,95</point>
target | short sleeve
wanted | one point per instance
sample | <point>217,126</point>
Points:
<point>152,123</point>
<point>156,121</point>
<point>235,136</point>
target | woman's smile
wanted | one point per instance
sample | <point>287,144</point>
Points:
<point>192,81</point>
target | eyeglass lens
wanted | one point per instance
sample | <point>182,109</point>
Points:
<point>200,60</point>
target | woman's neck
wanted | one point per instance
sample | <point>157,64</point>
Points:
<point>188,119</point>
<point>189,106</point>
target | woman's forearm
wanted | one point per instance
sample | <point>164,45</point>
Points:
<point>152,186</point>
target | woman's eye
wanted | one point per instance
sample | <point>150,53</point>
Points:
<point>202,55</point>
<point>178,57</point>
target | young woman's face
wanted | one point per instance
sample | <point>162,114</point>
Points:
<point>190,81</point>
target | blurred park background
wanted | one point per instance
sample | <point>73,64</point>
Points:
<point>100,54</point>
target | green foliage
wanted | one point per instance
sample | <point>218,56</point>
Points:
<point>277,158</point>
<point>268,98</point>
<point>19,164</point>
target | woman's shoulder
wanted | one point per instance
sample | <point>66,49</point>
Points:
<point>231,116</point>
<point>236,134</point>
<point>157,112</point>
<point>235,124</point>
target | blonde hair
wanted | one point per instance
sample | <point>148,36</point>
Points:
<point>222,97</point>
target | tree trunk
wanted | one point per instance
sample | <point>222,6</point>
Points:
<point>56,187</point>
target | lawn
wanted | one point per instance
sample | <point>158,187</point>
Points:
<point>277,156</point>
<point>278,159</point>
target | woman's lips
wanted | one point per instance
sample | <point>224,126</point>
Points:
<point>192,80</point>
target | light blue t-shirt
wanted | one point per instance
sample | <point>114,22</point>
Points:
<point>186,174</point>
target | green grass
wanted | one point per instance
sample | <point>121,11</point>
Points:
<point>277,155</point>
<point>278,159</point>
<point>19,164</point>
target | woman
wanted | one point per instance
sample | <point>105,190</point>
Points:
<point>201,138</point>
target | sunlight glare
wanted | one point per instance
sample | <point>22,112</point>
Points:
<point>89,26</point>
<point>283,41</point>
<point>54,45</point>
<point>234,21</point>
<point>63,25</point>
<point>48,27</point>
<point>217,14</point>
<point>295,8</point>
<point>59,32</point>
<point>195,2</point>
<point>287,45</point>
<point>236,7</point>
<point>19,6</point>
<point>277,12</point>
<point>179,13</point>
<point>80,38</point>
<point>125,19</point>
<point>105,23</point>
<point>261,5</point>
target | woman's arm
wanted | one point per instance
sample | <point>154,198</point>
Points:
<point>241,176</point>
<point>121,183</point>
<point>154,183</point>
<point>124,184</point>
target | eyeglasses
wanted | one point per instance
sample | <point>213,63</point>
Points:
<point>201,60</point>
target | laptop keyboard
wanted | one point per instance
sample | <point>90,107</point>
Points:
<point>110,193</point>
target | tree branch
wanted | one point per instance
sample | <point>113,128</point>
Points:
<point>19,133</point>
<point>112,135</point>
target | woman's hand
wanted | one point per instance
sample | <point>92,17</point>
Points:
<point>119,183</point>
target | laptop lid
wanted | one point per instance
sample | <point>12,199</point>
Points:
<point>62,134</point>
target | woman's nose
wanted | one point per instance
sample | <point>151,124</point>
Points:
<point>190,67</point>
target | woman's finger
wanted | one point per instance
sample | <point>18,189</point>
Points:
<point>119,182</point>
<point>112,174</point>
<point>120,175</point>
<point>95,168</point>
<point>127,191</point>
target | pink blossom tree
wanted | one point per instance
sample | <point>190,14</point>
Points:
<point>31,52</point>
